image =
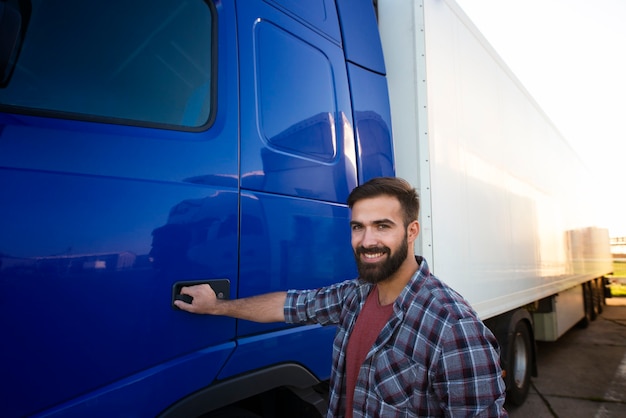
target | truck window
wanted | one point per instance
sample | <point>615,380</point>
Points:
<point>140,62</point>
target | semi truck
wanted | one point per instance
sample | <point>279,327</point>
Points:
<point>149,145</point>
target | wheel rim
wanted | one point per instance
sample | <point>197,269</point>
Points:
<point>520,361</point>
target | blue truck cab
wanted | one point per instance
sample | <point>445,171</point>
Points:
<point>147,145</point>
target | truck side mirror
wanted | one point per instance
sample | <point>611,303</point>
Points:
<point>11,36</point>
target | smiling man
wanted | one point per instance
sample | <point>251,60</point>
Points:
<point>407,344</point>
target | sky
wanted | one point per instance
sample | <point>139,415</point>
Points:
<point>571,57</point>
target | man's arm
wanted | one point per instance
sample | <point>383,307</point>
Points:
<point>263,308</point>
<point>469,376</point>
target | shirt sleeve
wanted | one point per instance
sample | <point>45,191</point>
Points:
<point>468,377</point>
<point>319,306</point>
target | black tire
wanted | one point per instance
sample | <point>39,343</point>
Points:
<point>599,291</point>
<point>595,300</point>
<point>520,364</point>
<point>590,314</point>
<point>591,309</point>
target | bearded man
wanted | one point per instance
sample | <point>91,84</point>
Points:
<point>407,344</point>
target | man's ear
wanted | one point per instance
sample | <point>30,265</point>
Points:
<point>413,231</point>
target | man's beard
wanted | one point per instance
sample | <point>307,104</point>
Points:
<point>378,272</point>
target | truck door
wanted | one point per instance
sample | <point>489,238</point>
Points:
<point>118,179</point>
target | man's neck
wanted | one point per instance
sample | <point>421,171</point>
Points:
<point>390,289</point>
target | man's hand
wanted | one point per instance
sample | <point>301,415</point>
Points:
<point>204,299</point>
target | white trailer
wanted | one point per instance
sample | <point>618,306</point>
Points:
<point>505,217</point>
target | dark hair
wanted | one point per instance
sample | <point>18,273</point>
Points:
<point>390,186</point>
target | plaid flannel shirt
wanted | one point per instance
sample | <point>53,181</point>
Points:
<point>433,358</point>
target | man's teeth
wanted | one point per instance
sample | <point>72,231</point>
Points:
<point>375,255</point>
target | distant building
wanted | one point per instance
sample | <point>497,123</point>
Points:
<point>618,247</point>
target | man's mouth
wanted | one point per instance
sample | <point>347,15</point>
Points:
<point>372,255</point>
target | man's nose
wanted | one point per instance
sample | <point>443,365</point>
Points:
<point>370,238</point>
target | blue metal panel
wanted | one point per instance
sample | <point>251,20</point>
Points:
<point>361,39</point>
<point>310,346</point>
<point>372,119</point>
<point>117,151</point>
<point>291,243</point>
<point>149,392</point>
<point>296,132</point>
<point>320,14</point>
<point>96,268</point>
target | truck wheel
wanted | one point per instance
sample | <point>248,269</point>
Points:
<point>520,360</point>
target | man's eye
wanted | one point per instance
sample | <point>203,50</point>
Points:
<point>356,227</point>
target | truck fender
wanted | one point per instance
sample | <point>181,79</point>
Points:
<point>228,392</point>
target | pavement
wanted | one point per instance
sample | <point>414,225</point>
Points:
<point>583,374</point>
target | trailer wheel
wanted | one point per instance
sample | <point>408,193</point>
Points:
<point>595,300</point>
<point>520,361</point>
<point>599,292</point>
<point>591,311</point>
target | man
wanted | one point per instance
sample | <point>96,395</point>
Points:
<point>406,344</point>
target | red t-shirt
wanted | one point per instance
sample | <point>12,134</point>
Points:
<point>368,325</point>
